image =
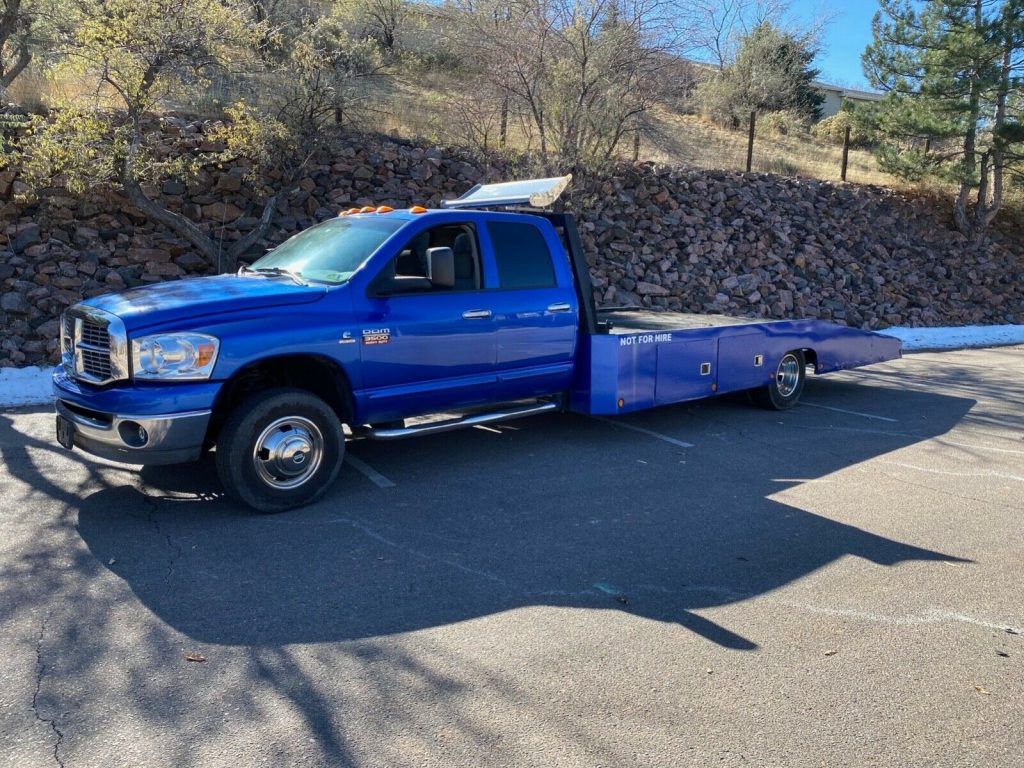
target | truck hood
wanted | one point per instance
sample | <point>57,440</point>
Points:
<point>179,300</point>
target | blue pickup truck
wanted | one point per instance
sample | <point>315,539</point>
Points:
<point>476,312</point>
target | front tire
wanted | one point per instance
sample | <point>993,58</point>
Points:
<point>785,388</point>
<point>280,449</point>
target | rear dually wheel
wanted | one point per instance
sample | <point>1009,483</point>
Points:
<point>785,388</point>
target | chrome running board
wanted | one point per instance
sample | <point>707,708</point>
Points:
<point>431,428</point>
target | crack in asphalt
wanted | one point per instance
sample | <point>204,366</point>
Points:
<point>173,548</point>
<point>40,673</point>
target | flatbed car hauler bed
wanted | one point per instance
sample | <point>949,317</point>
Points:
<point>657,358</point>
<point>483,308</point>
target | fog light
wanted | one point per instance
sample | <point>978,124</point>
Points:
<point>133,434</point>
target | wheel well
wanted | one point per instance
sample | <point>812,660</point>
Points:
<point>317,375</point>
<point>811,357</point>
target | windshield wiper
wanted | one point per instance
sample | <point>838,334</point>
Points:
<point>297,277</point>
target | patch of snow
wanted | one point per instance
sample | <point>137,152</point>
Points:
<point>957,337</point>
<point>25,386</point>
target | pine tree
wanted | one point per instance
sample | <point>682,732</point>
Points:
<point>952,72</point>
<point>771,73</point>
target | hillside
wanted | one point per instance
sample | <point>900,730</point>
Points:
<point>431,105</point>
<point>425,105</point>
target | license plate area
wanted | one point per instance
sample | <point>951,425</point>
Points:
<point>65,433</point>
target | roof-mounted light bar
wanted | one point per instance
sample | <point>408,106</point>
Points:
<point>538,193</point>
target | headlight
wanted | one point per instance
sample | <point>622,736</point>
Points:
<point>67,342</point>
<point>175,356</point>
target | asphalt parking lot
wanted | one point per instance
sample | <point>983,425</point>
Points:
<point>836,585</point>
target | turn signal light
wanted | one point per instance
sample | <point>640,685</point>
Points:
<point>417,209</point>
<point>384,209</point>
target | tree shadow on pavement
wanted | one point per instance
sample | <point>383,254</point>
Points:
<point>563,511</point>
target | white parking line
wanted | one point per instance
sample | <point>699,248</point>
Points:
<point>372,474</point>
<point>852,413</point>
<point>641,430</point>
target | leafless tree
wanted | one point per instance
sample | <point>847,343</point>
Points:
<point>715,27</point>
<point>585,72</point>
<point>382,20</point>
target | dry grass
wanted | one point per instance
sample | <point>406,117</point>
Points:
<point>423,104</point>
<point>689,140</point>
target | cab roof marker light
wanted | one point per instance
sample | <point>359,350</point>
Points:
<point>417,209</point>
<point>384,209</point>
<point>353,210</point>
<point>367,209</point>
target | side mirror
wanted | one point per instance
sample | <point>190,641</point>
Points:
<point>441,267</point>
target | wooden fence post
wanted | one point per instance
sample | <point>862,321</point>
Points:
<point>750,141</point>
<point>846,153</point>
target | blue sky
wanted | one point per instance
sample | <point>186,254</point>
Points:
<point>846,36</point>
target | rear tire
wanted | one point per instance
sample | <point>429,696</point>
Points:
<point>280,449</point>
<point>786,386</point>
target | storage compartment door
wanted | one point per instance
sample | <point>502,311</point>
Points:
<point>687,370</point>
<point>743,362</point>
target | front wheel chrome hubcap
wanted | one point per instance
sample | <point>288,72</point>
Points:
<point>788,375</point>
<point>288,452</point>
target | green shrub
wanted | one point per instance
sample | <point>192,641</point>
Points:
<point>784,123</point>
<point>858,119</point>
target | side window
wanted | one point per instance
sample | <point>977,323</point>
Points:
<point>408,272</point>
<point>523,256</point>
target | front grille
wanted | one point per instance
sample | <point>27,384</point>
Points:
<point>95,335</point>
<point>99,345</point>
<point>96,365</point>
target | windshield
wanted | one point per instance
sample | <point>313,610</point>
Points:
<point>332,251</point>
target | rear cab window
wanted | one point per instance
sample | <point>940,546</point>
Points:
<point>522,255</point>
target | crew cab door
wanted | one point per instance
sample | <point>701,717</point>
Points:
<point>426,348</point>
<point>534,307</point>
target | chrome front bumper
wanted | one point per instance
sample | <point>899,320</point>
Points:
<point>163,439</point>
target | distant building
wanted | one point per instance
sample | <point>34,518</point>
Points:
<point>836,94</point>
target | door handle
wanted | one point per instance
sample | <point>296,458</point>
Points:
<point>476,314</point>
<point>560,307</point>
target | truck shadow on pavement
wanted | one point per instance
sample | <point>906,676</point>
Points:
<point>559,511</point>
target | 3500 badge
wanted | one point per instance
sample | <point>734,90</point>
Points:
<point>374,336</point>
